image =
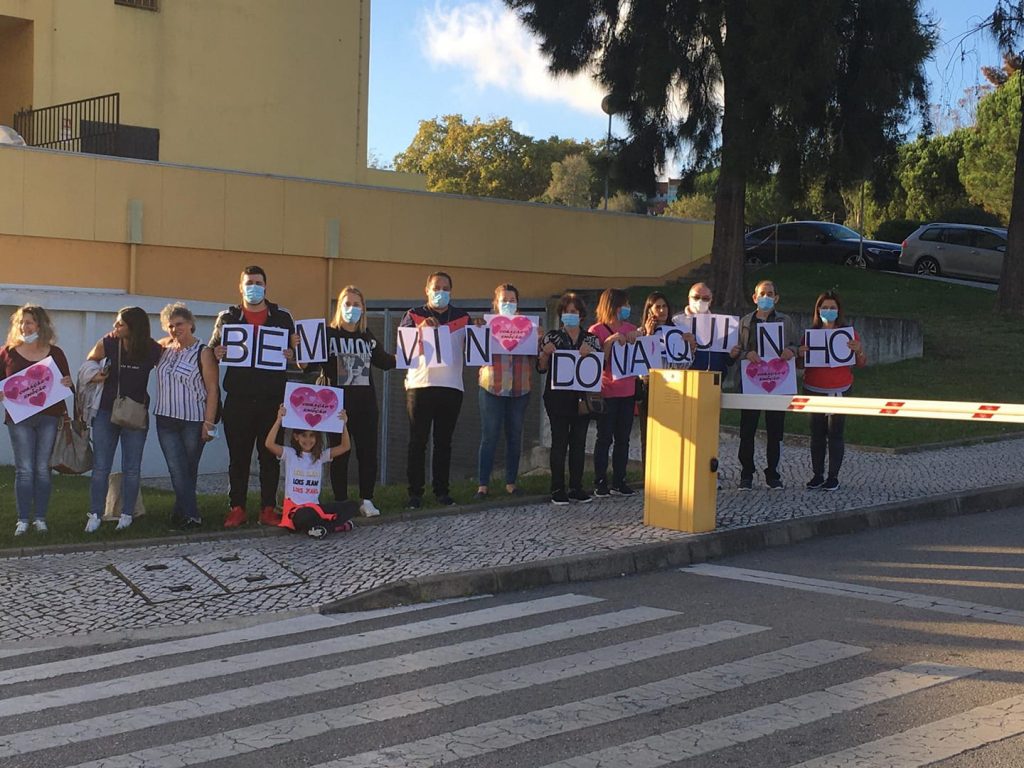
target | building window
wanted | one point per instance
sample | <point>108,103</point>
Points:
<point>146,5</point>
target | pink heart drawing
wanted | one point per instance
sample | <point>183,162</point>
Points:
<point>314,405</point>
<point>768,374</point>
<point>30,388</point>
<point>510,331</point>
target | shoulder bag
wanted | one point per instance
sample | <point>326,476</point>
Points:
<point>591,403</point>
<point>127,413</point>
<point>72,451</point>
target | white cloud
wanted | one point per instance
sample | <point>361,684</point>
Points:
<point>486,40</point>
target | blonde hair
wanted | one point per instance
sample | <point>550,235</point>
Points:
<point>46,333</point>
<point>177,309</point>
<point>608,306</point>
<point>337,320</point>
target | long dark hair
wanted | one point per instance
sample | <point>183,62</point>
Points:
<point>318,446</point>
<point>139,340</point>
<point>822,298</point>
<point>652,299</point>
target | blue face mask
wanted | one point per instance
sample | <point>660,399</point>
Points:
<point>829,315</point>
<point>351,314</point>
<point>440,299</point>
<point>507,308</point>
<point>624,313</point>
<point>253,293</point>
<point>570,319</point>
<point>766,303</point>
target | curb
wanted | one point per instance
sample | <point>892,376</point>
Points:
<point>646,558</point>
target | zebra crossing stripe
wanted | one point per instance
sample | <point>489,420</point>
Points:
<point>138,718</point>
<point>248,662</point>
<point>960,608</point>
<point>930,743</point>
<point>286,730</point>
<point>668,748</point>
<point>265,631</point>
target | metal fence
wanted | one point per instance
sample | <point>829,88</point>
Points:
<point>87,125</point>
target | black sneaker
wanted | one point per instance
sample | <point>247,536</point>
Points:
<point>746,483</point>
<point>815,482</point>
<point>601,490</point>
<point>446,501</point>
<point>832,484</point>
<point>580,496</point>
<point>775,485</point>
<point>622,489</point>
<point>414,502</point>
<point>559,498</point>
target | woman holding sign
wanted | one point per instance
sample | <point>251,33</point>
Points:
<point>568,425</point>
<point>503,395</point>
<point>29,341</point>
<point>616,423</point>
<point>657,312</point>
<point>834,381</point>
<point>131,355</point>
<point>351,351</point>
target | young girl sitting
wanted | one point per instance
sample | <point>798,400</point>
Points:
<point>303,462</point>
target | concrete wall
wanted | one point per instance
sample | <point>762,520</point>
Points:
<point>885,339</point>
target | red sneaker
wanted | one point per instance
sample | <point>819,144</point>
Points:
<point>236,517</point>
<point>270,516</point>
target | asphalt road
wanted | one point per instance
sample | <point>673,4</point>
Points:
<point>901,647</point>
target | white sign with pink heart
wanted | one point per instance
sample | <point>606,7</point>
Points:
<point>516,335</point>
<point>33,390</point>
<point>308,406</point>
<point>769,377</point>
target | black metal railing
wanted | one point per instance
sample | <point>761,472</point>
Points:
<point>87,125</point>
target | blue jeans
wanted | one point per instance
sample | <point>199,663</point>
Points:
<point>497,411</point>
<point>182,444</point>
<point>105,437</point>
<point>32,441</point>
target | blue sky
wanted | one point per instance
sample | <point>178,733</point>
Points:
<point>435,57</point>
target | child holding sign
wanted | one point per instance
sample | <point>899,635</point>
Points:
<point>835,381</point>
<point>303,462</point>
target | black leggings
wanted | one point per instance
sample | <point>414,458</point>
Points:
<point>827,432</point>
<point>363,418</point>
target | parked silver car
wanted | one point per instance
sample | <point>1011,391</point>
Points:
<point>958,250</point>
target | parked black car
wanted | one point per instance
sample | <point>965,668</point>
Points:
<point>820,241</point>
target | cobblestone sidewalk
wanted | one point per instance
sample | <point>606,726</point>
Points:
<point>48,596</point>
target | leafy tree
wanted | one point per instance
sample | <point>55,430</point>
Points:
<point>930,177</point>
<point>571,182</point>
<point>990,148</point>
<point>843,75</point>
<point>697,206</point>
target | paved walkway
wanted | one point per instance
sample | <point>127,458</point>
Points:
<point>47,597</point>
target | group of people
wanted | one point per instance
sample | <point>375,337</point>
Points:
<point>188,408</point>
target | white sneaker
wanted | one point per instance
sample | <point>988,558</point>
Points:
<point>40,525</point>
<point>123,522</point>
<point>92,524</point>
<point>366,509</point>
<point>20,527</point>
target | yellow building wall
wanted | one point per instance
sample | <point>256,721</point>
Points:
<point>277,86</point>
<point>64,221</point>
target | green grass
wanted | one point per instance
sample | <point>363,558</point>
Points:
<point>969,353</point>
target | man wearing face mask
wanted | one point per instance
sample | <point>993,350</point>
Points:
<point>765,298</point>
<point>434,395</point>
<point>252,399</point>
<point>700,299</point>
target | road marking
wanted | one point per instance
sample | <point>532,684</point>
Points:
<point>248,662</point>
<point>138,718</point>
<point>266,631</point>
<point>961,608</point>
<point>304,726</point>
<point>930,743</point>
<point>724,732</point>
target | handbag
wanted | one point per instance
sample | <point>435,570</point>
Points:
<point>127,413</point>
<point>72,451</point>
<point>591,404</point>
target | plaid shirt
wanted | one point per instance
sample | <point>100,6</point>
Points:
<point>507,375</point>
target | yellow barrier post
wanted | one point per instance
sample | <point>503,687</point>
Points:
<point>680,469</point>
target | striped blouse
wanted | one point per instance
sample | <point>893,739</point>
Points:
<point>180,392</point>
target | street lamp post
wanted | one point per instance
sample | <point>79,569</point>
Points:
<point>606,107</point>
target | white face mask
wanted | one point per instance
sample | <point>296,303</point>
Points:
<point>29,338</point>
<point>700,306</point>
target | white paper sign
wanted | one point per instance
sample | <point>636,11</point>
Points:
<point>675,349</point>
<point>573,371</point>
<point>33,390</point>
<point>271,344</point>
<point>478,345</point>
<point>635,359</point>
<point>771,340</point>
<point>238,343</point>
<point>308,406</point>
<point>828,348</point>
<point>768,377</point>
<point>426,345</point>
<point>312,341</point>
<point>713,333</point>
<point>516,335</point>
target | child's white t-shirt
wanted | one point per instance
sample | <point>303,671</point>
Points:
<point>302,475</point>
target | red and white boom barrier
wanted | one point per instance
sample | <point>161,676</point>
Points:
<point>877,406</point>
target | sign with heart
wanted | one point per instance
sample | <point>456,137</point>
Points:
<point>769,377</point>
<point>33,390</point>
<point>516,335</point>
<point>308,406</point>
